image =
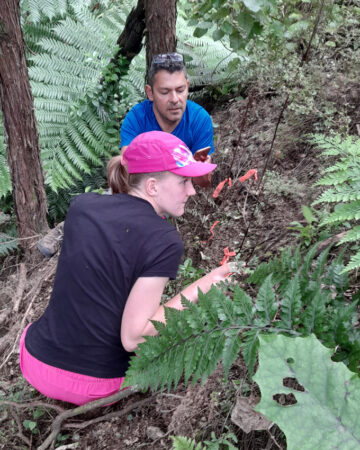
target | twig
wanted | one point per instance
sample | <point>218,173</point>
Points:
<point>20,287</point>
<point>32,405</point>
<point>123,412</point>
<point>242,127</point>
<point>56,425</point>
<point>10,241</point>
<point>273,437</point>
<point>34,292</point>
<point>20,435</point>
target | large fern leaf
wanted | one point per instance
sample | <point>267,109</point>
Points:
<point>65,78</point>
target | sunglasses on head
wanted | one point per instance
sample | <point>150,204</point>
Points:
<point>168,58</point>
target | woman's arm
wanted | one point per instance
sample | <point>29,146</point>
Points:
<point>143,304</point>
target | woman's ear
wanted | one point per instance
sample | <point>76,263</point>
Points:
<point>151,187</point>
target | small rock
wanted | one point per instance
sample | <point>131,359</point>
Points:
<point>154,433</point>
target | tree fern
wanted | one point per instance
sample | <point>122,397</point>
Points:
<point>35,10</point>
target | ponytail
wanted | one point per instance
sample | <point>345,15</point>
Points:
<point>119,179</point>
<point>118,176</point>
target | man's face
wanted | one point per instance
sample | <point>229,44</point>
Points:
<point>169,94</point>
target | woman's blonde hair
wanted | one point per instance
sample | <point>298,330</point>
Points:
<point>119,179</point>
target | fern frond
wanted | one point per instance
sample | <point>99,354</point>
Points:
<point>344,212</point>
<point>73,132</point>
<point>336,277</point>
<point>38,9</point>
<point>333,179</point>
<point>191,341</point>
<point>354,263</point>
<point>314,314</point>
<point>5,181</point>
<point>243,304</point>
<point>351,236</point>
<point>291,304</point>
<point>265,301</point>
<point>8,244</point>
<point>184,443</point>
<point>250,347</point>
<point>340,194</point>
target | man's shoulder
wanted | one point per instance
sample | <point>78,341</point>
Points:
<point>194,110</point>
<point>193,106</point>
<point>143,107</point>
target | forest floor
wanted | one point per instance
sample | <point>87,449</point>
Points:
<point>254,219</point>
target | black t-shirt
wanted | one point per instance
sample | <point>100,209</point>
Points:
<point>109,242</point>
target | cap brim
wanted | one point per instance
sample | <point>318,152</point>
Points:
<point>196,169</point>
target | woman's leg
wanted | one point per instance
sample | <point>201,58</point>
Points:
<point>61,384</point>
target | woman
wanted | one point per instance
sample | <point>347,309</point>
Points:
<point>117,255</point>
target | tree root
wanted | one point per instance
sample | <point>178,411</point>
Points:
<point>112,415</point>
<point>57,423</point>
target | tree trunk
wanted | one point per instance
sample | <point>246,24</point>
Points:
<point>21,138</point>
<point>160,17</point>
<point>130,40</point>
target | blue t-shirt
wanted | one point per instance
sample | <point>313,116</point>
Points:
<point>195,127</point>
<point>109,242</point>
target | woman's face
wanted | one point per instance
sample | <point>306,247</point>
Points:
<point>173,193</point>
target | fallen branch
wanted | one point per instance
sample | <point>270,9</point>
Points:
<point>32,405</point>
<point>112,415</point>
<point>56,425</point>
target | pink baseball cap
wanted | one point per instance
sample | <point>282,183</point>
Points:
<point>158,151</point>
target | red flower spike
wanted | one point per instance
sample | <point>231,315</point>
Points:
<point>219,188</point>
<point>249,173</point>
<point>211,231</point>
<point>227,255</point>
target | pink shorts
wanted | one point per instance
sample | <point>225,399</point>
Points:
<point>61,384</point>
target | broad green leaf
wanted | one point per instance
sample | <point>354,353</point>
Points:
<point>245,22</point>
<point>236,41</point>
<point>326,413</point>
<point>218,34</point>
<point>308,214</point>
<point>253,5</point>
<point>199,32</point>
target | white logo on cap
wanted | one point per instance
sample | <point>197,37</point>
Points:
<point>182,156</point>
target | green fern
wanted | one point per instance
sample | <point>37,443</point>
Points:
<point>344,179</point>
<point>5,181</point>
<point>8,240</point>
<point>184,443</point>
<point>306,299</point>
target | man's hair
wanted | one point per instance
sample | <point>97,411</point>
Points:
<point>168,65</point>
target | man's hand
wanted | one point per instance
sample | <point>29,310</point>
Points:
<point>203,156</point>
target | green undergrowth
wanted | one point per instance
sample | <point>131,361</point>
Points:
<point>292,297</point>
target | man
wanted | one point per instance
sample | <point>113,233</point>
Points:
<point>168,108</point>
